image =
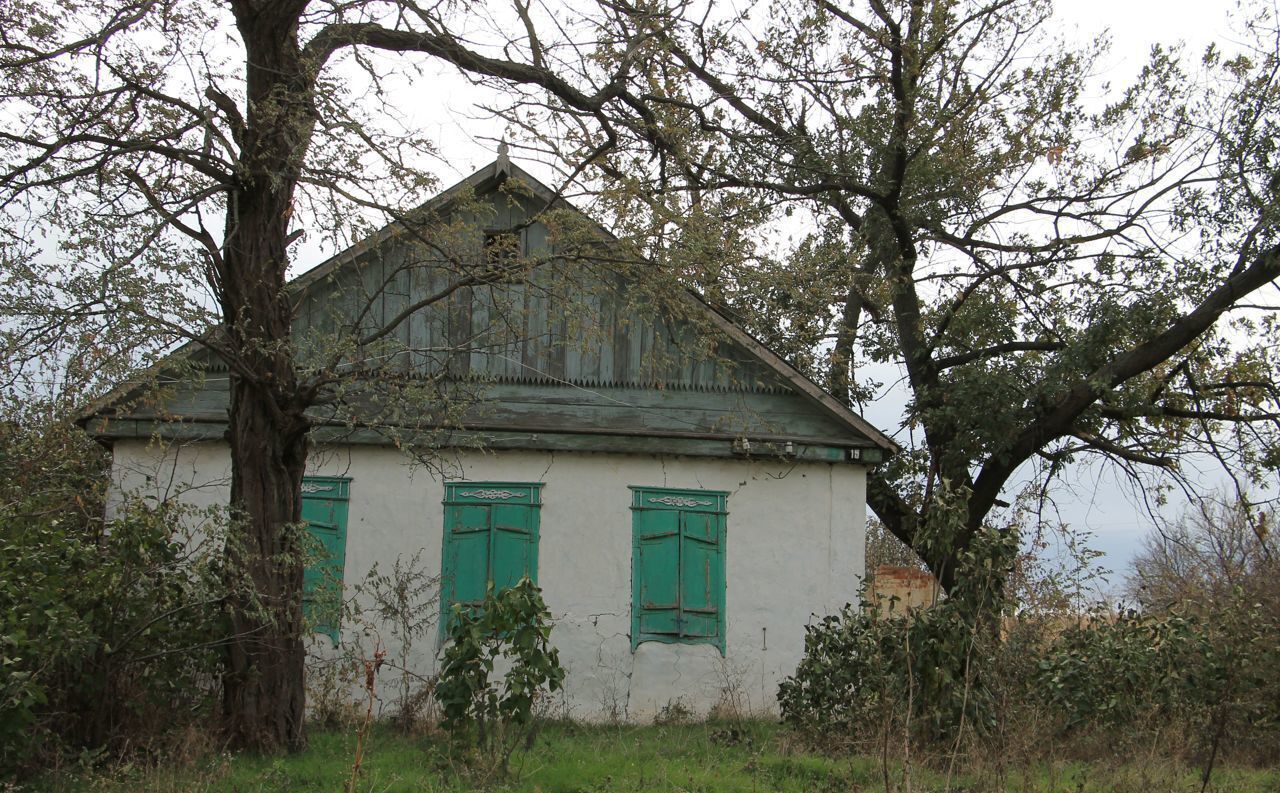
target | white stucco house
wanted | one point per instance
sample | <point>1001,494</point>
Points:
<point>685,498</point>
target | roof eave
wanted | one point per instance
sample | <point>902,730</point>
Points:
<point>806,387</point>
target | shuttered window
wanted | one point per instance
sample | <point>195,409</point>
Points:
<point>324,508</point>
<point>677,558</point>
<point>490,534</point>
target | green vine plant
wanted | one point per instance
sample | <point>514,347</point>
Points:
<point>511,626</point>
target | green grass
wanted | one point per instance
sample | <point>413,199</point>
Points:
<point>578,759</point>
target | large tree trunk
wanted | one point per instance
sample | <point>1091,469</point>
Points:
<point>263,689</point>
<point>263,694</point>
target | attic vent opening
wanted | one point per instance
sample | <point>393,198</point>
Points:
<point>502,247</point>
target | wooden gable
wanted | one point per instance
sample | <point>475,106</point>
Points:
<point>560,341</point>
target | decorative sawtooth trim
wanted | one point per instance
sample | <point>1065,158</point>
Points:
<point>490,494</point>
<point>418,373</point>
<point>680,501</point>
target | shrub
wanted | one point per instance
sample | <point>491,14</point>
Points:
<point>1117,673</point>
<point>925,671</point>
<point>511,626</point>
<point>107,631</point>
<point>1198,687</point>
<point>1205,679</point>
<point>864,676</point>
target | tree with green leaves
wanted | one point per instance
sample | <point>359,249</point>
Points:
<point>160,159</point>
<point>928,192</point>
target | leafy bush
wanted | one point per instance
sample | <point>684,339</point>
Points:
<point>1195,683</point>
<point>106,640</point>
<point>1198,687</point>
<point>1204,680</point>
<point>864,676</point>
<point>843,683</point>
<point>511,626</point>
<point>106,631</point>
<point>1196,665</point>
<point>1119,672</point>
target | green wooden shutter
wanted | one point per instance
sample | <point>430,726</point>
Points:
<point>491,534</point>
<point>657,549</point>
<point>324,508</point>
<point>701,575</point>
<point>466,561</point>
<point>678,585</point>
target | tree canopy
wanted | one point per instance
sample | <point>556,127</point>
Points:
<point>931,190</point>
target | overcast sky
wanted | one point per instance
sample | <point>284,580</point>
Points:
<point>1137,24</point>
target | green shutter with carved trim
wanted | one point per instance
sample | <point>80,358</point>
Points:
<point>324,508</point>
<point>490,534</point>
<point>677,560</point>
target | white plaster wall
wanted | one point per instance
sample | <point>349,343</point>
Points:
<point>794,547</point>
<point>195,473</point>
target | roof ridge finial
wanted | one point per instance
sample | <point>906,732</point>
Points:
<point>503,163</point>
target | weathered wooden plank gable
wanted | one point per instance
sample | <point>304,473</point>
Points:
<point>566,349</point>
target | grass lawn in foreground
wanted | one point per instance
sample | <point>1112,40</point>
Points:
<point>754,756</point>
